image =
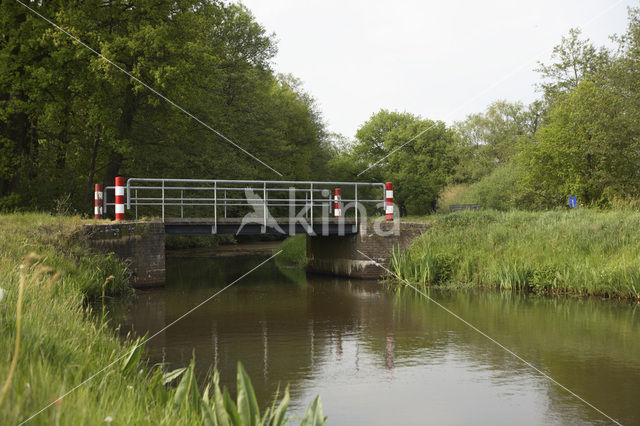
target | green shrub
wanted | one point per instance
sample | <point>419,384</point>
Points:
<point>499,190</point>
<point>294,251</point>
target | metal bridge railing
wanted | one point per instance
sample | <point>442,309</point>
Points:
<point>229,198</point>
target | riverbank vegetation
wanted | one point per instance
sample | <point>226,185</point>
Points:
<point>293,251</point>
<point>49,282</point>
<point>581,252</point>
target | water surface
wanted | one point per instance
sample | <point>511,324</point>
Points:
<point>378,356</point>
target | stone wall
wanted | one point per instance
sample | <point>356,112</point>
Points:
<point>339,255</point>
<point>140,244</point>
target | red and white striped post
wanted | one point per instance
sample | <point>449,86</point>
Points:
<point>337,202</point>
<point>119,198</point>
<point>388,201</point>
<point>97,202</point>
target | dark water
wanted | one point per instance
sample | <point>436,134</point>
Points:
<point>382,357</point>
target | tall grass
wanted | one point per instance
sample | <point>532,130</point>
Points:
<point>584,252</point>
<point>60,342</point>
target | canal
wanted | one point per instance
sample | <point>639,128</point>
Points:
<point>383,356</point>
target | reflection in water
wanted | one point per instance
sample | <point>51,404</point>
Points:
<point>383,357</point>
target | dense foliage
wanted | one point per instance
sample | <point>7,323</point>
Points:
<point>69,118</point>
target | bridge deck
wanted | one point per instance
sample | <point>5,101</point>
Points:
<point>240,226</point>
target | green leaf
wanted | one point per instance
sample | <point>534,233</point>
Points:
<point>208,415</point>
<point>132,359</point>
<point>172,375</point>
<point>278,416</point>
<point>247,402</point>
<point>231,409</point>
<point>187,392</point>
<point>225,412</point>
<point>313,414</point>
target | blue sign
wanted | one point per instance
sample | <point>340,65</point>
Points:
<point>573,202</point>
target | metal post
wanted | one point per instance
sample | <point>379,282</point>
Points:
<point>225,203</point>
<point>215,206</point>
<point>311,195</point>
<point>356,197</point>
<point>306,205</point>
<point>97,201</point>
<point>163,200</point>
<point>264,201</point>
<point>388,201</point>
<point>120,198</point>
<point>128,194</point>
<point>181,203</point>
<point>136,204</point>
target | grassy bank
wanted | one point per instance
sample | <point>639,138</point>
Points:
<point>61,342</point>
<point>583,252</point>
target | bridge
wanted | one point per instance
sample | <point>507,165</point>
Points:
<point>350,226</point>
<point>245,207</point>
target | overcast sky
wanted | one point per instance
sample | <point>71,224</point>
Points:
<point>441,60</point>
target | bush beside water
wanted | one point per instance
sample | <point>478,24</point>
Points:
<point>583,252</point>
<point>63,342</point>
<point>294,251</point>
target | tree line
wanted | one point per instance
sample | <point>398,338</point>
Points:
<point>69,118</point>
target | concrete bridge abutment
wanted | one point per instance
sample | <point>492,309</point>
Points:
<point>340,255</point>
<point>140,244</point>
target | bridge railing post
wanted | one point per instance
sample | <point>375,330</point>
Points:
<point>104,201</point>
<point>119,198</point>
<point>215,206</point>
<point>337,197</point>
<point>163,200</point>
<point>97,202</point>
<point>311,196</point>
<point>356,200</point>
<point>264,212</point>
<point>388,197</point>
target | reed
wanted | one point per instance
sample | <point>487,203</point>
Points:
<point>584,252</point>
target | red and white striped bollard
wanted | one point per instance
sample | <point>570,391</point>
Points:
<point>337,201</point>
<point>97,202</point>
<point>388,201</point>
<point>119,198</point>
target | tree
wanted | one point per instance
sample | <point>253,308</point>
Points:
<point>490,139</point>
<point>589,148</point>
<point>419,169</point>
<point>574,60</point>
